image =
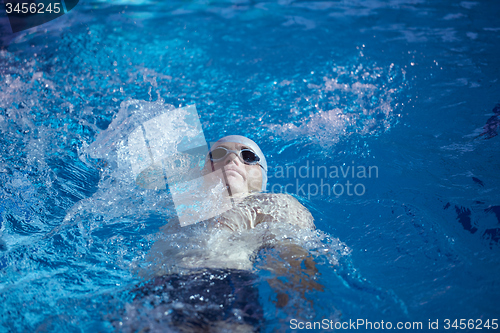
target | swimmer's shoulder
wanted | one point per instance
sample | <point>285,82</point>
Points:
<point>285,206</point>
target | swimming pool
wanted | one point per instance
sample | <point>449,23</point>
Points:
<point>402,89</point>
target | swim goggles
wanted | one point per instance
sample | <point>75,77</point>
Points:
<point>246,155</point>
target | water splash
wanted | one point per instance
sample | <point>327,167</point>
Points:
<point>356,99</point>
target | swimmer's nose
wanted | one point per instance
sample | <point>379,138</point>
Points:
<point>232,157</point>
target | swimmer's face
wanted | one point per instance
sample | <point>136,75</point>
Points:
<point>240,177</point>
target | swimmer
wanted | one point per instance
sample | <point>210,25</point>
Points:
<point>212,278</point>
<point>245,171</point>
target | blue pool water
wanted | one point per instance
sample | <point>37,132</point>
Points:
<point>407,87</point>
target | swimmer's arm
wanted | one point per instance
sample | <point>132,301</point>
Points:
<point>295,272</point>
<point>293,266</point>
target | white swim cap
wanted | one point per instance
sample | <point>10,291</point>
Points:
<point>250,144</point>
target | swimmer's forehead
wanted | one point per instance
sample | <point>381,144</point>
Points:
<point>231,145</point>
